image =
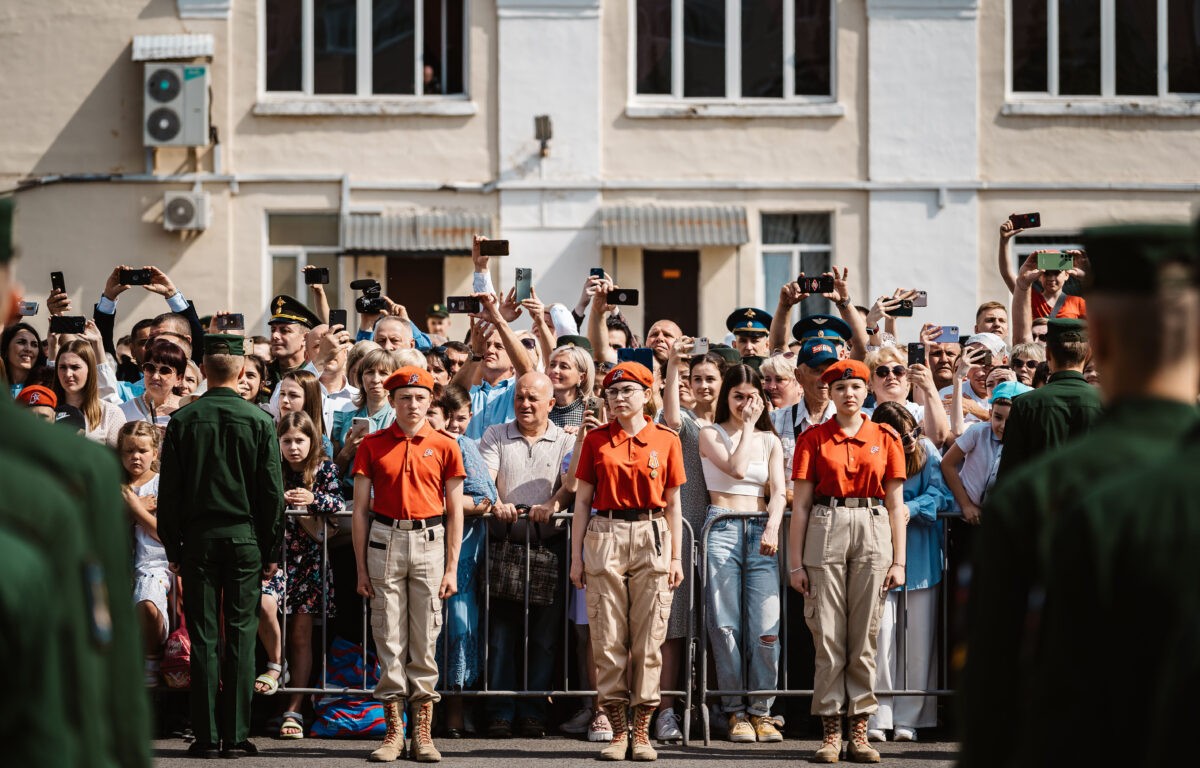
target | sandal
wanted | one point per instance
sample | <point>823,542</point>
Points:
<point>292,726</point>
<point>269,682</point>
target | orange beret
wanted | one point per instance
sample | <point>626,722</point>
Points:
<point>409,376</point>
<point>629,371</point>
<point>846,369</point>
<point>38,395</point>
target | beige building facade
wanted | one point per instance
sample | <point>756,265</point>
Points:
<point>704,151</point>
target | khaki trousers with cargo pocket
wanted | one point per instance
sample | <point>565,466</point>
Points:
<point>406,569</point>
<point>628,604</point>
<point>847,552</point>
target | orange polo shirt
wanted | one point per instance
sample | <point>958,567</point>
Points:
<point>843,466</point>
<point>631,472</point>
<point>409,474</point>
<point>1073,307</point>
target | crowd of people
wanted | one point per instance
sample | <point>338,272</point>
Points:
<point>874,443</point>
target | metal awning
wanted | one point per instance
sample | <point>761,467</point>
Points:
<point>167,47</point>
<point>443,231</point>
<point>695,225</point>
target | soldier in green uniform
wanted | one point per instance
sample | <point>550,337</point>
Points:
<point>290,322</point>
<point>60,503</point>
<point>1143,318</point>
<point>220,512</point>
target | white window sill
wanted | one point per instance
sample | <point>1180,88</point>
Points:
<point>1094,107</point>
<point>349,106</point>
<point>685,109</point>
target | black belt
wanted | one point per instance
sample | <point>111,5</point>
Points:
<point>407,525</point>
<point>852,501</point>
<point>631,515</point>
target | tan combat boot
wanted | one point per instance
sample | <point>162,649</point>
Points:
<point>642,750</point>
<point>858,749</point>
<point>393,743</point>
<point>619,745</point>
<point>422,735</point>
<point>831,742</point>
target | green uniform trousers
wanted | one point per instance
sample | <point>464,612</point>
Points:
<point>222,576</point>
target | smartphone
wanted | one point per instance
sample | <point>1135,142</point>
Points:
<point>493,248</point>
<point>949,335</point>
<point>1026,220</point>
<point>822,284</point>
<point>596,272</point>
<point>593,406</point>
<point>524,283</point>
<point>317,276</point>
<point>67,324</point>
<point>1055,261</point>
<point>625,297</point>
<point>643,355</point>
<point>360,422</point>
<point>700,347</point>
<point>234,321</point>
<point>134,276</point>
<point>337,317</point>
<point>921,299</point>
<point>463,304</point>
<point>916,353</point>
<point>57,283</point>
<point>904,310</point>
<point>27,308</point>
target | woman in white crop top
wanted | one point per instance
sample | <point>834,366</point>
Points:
<point>742,460</point>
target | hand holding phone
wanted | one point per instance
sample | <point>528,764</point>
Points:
<point>1026,220</point>
<point>625,297</point>
<point>337,317</point>
<point>316,275</point>
<point>1055,261</point>
<point>524,284</point>
<point>815,285</point>
<point>905,309</point>
<point>700,346</point>
<point>233,321</point>
<point>67,324</point>
<point>135,276</point>
<point>463,305</point>
<point>57,283</point>
<point>916,353</point>
<point>493,248</point>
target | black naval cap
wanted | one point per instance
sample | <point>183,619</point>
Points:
<point>224,344</point>
<point>821,327</point>
<point>748,320</point>
<point>285,309</point>
<point>573,340</point>
<point>1066,330</point>
<point>6,228</point>
<point>1130,258</point>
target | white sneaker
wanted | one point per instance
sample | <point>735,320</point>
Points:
<point>904,734</point>
<point>578,724</point>
<point>667,727</point>
<point>876,734</point>
<point>600,728</point>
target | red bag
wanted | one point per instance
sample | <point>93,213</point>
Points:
<point>177,659</point>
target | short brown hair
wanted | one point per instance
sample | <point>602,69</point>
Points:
<point>985,306</point>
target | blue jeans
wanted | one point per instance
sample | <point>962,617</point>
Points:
<point>743,609</point>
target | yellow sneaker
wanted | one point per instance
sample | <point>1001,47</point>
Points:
<point>764,729</point>
<point>740,730</point>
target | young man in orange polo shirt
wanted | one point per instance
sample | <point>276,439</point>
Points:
<point>407,553</point>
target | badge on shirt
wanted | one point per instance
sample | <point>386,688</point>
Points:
<point>653,464</point>
<point>428,452</point>
<point>874,449</point>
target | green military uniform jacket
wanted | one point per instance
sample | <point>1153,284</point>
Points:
<point>1011,550</point>
<point>60,501</point>
<point>1065,407</point>
<point>221,476</point>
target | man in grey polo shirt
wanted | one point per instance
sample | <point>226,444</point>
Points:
<point>525,457</point>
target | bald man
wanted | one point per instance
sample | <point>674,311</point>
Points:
<point>661,338</point>
<point>394,333</point>
<point>525,457</point>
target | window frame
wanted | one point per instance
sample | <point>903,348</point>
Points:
<point>795,253</point>
<point>364,73</point>
<point>1108,66</point>
<point>667,104</point>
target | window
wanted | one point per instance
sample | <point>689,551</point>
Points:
<point>1105,48</point>
<point>297,240</point>
<point>364,47</point>
<point>795,243</point>
<point>734,49</point>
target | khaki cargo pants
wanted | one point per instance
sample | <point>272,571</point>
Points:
<point>847,552</point>
<point>628,604</point>
<point>406,569</point>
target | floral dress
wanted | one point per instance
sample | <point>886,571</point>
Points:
<point>302,572</point>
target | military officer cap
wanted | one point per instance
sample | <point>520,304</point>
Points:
<point>6,227</point>
<point>1129,258</point>
<point>572,340</point>
<point>749,320</point>
<point>727,353</point>
<point>1066,330</point>
<point>821,327</point>
<point>437,310</point>
<point>224,344</point>
<point>285,309</point>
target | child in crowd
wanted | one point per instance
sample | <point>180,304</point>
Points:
<point>137,446</point>
<point>969,467</point>
<point>301,391</point>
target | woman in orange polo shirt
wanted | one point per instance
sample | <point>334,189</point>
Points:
<point>630,471</point>
<point>846,549</point>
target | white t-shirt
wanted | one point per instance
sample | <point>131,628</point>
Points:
<point>147,552</point>
<point>981,450</point>
<point>968,391</point>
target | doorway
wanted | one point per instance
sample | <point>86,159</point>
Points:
<point>670,288</point>
<point>416,281</point>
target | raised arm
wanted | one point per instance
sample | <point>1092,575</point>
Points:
<point>1021,311</point>
<point>1004,253</point>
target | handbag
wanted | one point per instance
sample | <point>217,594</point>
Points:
<point>507,566</point>
<point>319,527</point>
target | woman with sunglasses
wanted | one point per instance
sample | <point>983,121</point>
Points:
<point>926,494</point>
<point>77,384</point>
<point>162,369</point>
<point>846,548</point>
<point>1024,359</point>
<point>892,380</point>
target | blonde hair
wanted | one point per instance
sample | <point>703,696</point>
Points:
<point>132,430</point>
<point>414,357</point>
<point>779,365</point>
<point>884,355</point>
<point>583,363</point>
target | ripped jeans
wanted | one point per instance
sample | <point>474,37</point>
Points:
<point>743,612</point>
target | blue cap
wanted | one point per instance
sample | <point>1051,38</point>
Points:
<point>748,320</point>
<point>1007,390</point>
<point>815,352</point>
<point>821,327</point>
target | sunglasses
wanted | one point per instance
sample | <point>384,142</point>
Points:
<point>911,437</point>
<point>529,343</point>
<point>1018,363</point>
<point>896,370</point>
<point>162,370</point>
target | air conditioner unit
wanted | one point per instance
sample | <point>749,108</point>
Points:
<point>185,210</point>
<point>175,107</point>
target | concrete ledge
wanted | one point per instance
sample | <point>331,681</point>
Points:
<point>736,109</point>
<point>352,106</point>
<point>1150,107</point>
